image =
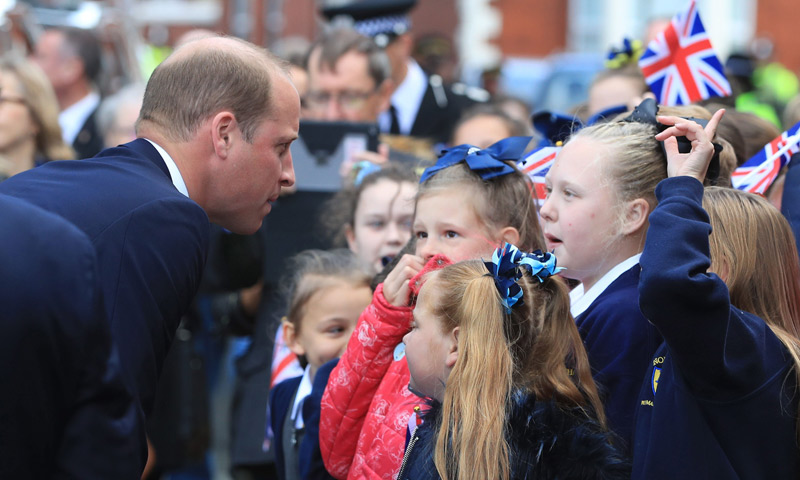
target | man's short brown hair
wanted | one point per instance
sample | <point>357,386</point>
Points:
<point>337,42</point>
<point>185,91</point>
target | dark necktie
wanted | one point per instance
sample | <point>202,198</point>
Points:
<point>395,128</point>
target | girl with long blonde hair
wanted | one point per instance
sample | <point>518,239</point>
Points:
<point>494,347</point>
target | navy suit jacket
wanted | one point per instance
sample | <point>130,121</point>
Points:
<point>65,411</point>
<point>89,142</point>
<point>151,243</point>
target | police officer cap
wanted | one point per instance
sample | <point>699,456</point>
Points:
<point>380,19</point>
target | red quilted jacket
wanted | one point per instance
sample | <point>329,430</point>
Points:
<point>367,404</point>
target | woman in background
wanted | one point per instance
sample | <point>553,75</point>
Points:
<point>29,130</point>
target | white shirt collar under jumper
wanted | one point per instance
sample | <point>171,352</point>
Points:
<point>174,172</point>
<point>303,391</point>
<point>580,300</point>
<point>406,100</point>
<point>72,118</point>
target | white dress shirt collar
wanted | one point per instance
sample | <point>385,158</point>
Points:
<point>303,391</point>
<point>72,118</point>
<point>580,300</point>
<point>174,172</point>
<point>406,99</point>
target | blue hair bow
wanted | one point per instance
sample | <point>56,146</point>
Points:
<point>488,162</point>
<point>509,264</point>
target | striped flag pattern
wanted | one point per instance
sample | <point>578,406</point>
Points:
<point>757,174</point>
<point>680,64</point>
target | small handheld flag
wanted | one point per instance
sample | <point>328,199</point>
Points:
<point>757,174</point>
<point>680,64</point>
<point>536,165</point>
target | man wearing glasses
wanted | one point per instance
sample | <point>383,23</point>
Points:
<point>421,104</point>
<point>349,78</point>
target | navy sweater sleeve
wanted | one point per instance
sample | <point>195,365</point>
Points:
<point>719,353</point>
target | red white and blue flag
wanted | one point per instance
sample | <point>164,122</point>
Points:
<point>757,174</point>
<point>536,165</point>
<point>680,64</point>
<point>284,362</point>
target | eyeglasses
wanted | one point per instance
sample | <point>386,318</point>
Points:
<point>4,99</point>
<point>347,100</point>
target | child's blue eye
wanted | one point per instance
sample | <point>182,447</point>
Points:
<point>376,224</point>
<point>450,234</point>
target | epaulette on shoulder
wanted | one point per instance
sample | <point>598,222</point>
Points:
<point>475,94</point>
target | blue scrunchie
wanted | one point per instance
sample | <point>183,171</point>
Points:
<point>509,264</point>
<point>488,162</point>
<point>365,169</point>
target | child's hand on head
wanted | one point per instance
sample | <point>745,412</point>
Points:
<point>695,163</point>
<point>396,289</point>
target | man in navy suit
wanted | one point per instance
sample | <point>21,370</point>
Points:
<point>216,123</point>
<point>63,397</point>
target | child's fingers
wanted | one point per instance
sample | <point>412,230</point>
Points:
<point>395,287</point>
<point>711,128</point>
<point>679,130</point>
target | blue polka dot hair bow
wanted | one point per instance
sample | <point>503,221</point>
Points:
<point>487,162</point>
<point>509,264</point>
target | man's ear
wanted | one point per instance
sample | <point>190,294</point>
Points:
<point>290,337</point>
<point>510,235</point>
<point>636,214</point>
<point>406,42</point>
<point>452,351</point>
<point>224,128</point>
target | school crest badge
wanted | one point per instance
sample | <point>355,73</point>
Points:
<point>656,376</point>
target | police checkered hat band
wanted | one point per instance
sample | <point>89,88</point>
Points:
<point>389,24</point>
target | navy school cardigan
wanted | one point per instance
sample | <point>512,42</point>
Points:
<point>719,400</point>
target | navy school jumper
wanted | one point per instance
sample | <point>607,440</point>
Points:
<point>719,401</point>
<point>619,343</point>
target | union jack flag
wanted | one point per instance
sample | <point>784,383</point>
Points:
<point>758,173</point>
<point>284,362</point>
<point>536,165</point>
<point>680,64</point>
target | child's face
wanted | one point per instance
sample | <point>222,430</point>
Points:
<point>446,223</point>
<point>382,222</point>
<point>579,215</point>
<point>430,352</point>
<point>329,318</point>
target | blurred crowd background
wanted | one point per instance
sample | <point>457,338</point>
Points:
<point>543,51</point>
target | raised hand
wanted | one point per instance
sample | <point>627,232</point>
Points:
<point>395,288</point>
<point>695,163</point>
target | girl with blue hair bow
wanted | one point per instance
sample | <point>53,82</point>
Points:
<point>469,203</point>
<point>495,350</point>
